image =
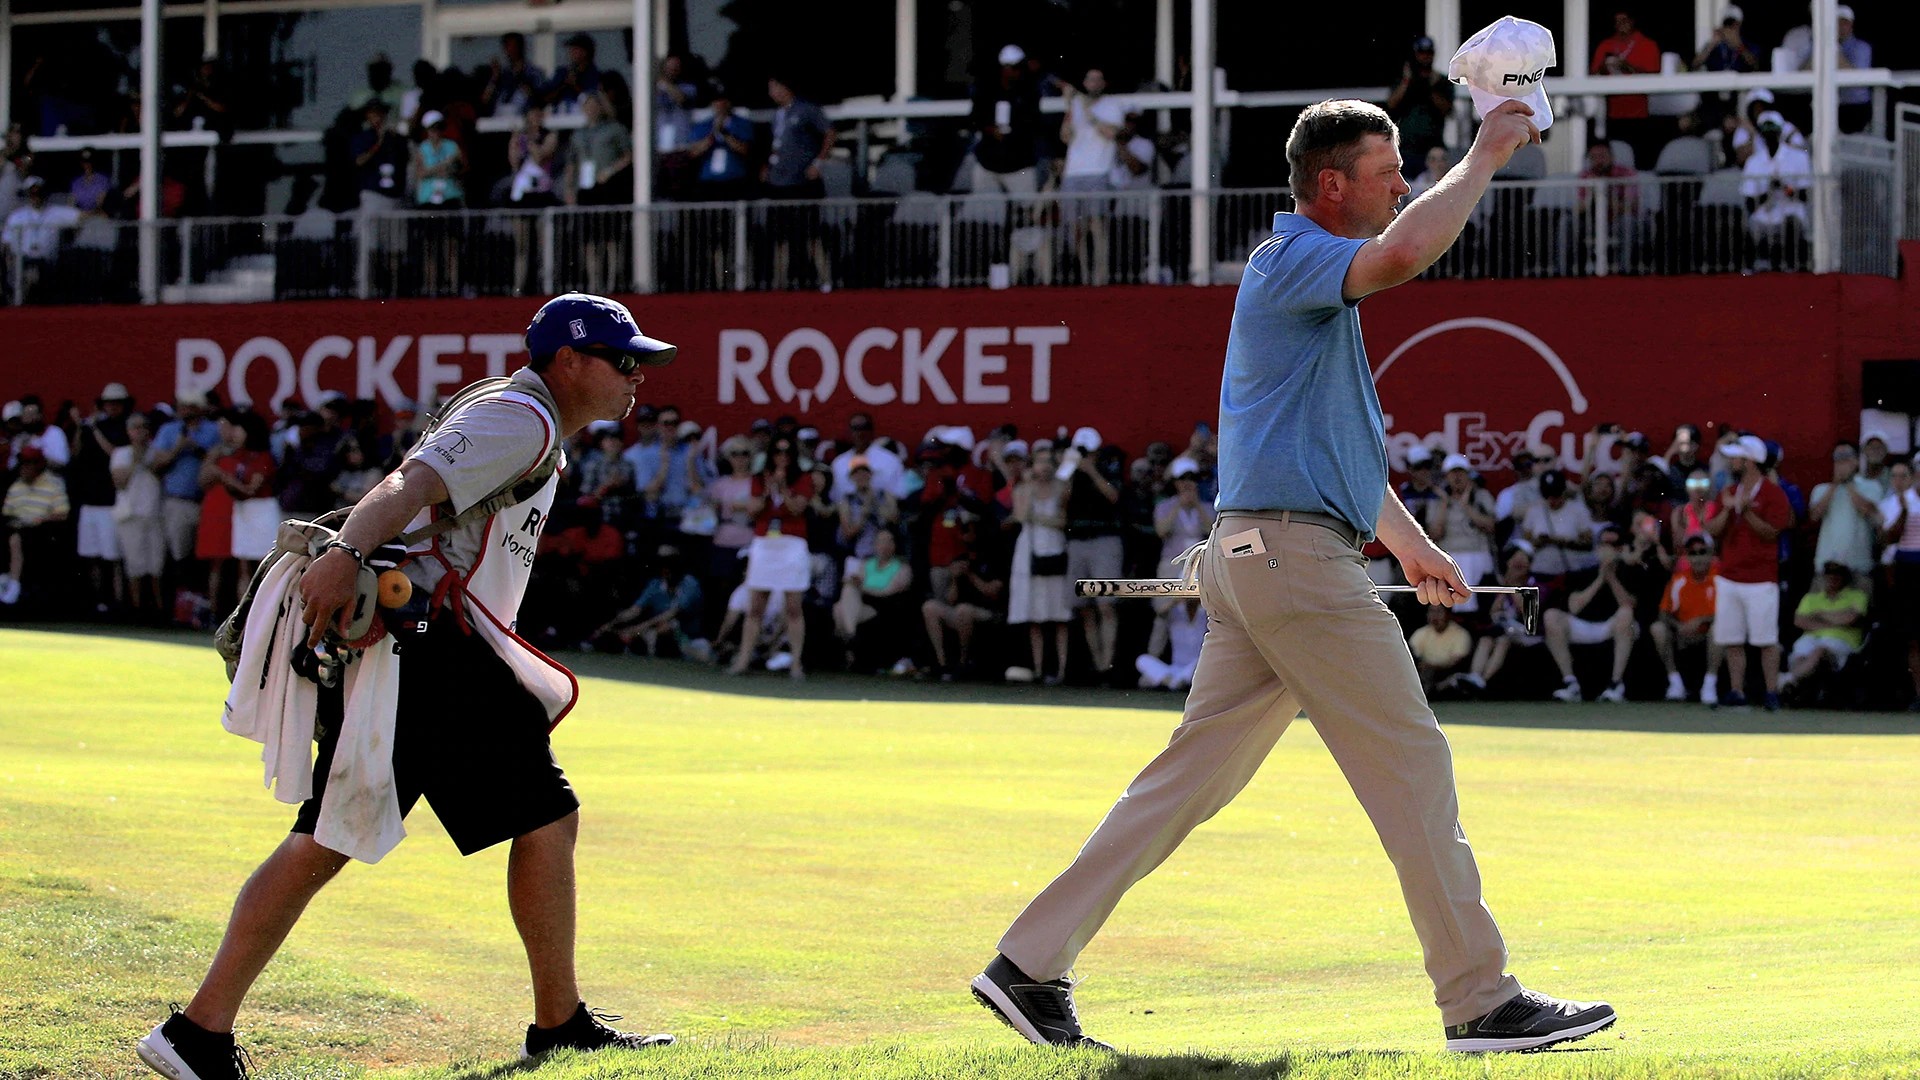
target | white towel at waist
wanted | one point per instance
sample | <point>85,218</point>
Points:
<point>273,706</point>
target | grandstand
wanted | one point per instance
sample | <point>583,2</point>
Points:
<point>252,197</point>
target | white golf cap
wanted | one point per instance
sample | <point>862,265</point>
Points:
<point>1087,439</point>
<point>1842,11</point>
<point>1184,467</point>
<point>1733,12</point>
<point>1750,447</point>
<point>432,117</point>
<point>1011,55</point>
<point>12,410</point>
<point>604,427</point>
<point>1015,448</point>
<point>114,391</point>
<point>1758,93</point>
<point>1874,433</point>
<point>1418,455</point>
<point>1456,461</point>
<point>1771,119</point>
<point>1507,61</point>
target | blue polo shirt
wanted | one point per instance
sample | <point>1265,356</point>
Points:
<point>182,478</point>
<point>1300,425</point>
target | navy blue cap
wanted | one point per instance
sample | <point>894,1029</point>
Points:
<point>583,320</point>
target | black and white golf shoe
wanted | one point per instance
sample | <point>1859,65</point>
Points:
<point>1529,1022</point>
<point>180,1049</point>
<point>1041,1011</point>
<point>587,1029</point>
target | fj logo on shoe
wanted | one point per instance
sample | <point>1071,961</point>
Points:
<point>1244,544</point>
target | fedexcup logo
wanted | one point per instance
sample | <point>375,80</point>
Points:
<point>1522,78</point>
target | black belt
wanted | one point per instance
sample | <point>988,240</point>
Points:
<point>1338,526</point>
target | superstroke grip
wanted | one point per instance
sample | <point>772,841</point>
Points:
<point>1135,587</point>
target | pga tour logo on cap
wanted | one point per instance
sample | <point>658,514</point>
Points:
<point>579,328</point>
<point>1507,61</point>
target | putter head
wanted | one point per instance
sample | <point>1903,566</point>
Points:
<point>1529,600</point>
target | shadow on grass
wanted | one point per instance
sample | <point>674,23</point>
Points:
<point>1189,1066</point>
<point>1635,716</point>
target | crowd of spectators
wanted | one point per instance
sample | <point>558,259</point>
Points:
<point>950,556</point>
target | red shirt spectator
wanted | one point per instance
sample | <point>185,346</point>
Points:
<point>1627,52</point>
<point>775,510</point>
<point>590,546</point>
<point>1744,555</point>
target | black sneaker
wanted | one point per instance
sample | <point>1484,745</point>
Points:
<point>180,1049</point>
<point>587,1029</point>
<point>1041,1011</point>
<point>1528,1022</point>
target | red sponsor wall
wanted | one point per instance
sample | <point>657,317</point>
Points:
<point>1481,366</point>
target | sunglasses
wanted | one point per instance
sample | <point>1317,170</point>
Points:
<point>623,362</point>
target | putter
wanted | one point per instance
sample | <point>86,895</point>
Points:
<point>1528,596</point>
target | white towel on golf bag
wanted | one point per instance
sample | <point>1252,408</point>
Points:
<point>274,706</point>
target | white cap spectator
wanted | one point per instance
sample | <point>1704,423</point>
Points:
<point>1184,467</point>
<point>1418,455</point>
<point>691,429</point>
<point>604,427</point>
<point>1012,55</point>
<point>1843,11</point>
<point>1732,11</point>
<point>11,411</point>
<point>1087,439</point>
<point>1750,447</point>
<point>431,117</point>
<point>1015,448</point>
<point>1456,461</point>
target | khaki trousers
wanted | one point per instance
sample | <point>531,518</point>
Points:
<point>1294,624</point>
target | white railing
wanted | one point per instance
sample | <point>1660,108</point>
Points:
<point>1559,227</point>
<point>1906,139</point>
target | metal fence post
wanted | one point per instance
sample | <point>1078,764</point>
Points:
<point>1602,200</point>
<point>19,278</point>
<point>547,218</point>
<point>740,246</point>
<point>945,239</point>
<point>1154,213</point>
<point>363,257</point>
<point>643,268</point>
<point>185,229</point>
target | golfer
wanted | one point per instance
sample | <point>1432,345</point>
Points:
<point>1295,622</point>
<point>474,703</point>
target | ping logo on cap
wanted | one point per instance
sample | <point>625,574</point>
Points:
<point>578,328</point>
<point>1523,78</point>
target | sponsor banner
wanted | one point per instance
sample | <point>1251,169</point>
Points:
<point>1482,368</point>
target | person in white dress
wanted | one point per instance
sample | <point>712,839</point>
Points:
<point>1037,587</point>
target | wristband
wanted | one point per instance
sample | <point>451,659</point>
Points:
<point>358,557</point>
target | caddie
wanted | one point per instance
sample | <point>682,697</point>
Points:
<point>471,705</point>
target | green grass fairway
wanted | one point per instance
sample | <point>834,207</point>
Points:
<point>800,881</point>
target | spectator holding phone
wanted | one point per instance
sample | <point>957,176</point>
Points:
<point>1847,511</point>
<point>1560,529</point>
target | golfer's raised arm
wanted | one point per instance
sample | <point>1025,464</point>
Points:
<point>1431,223</point>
